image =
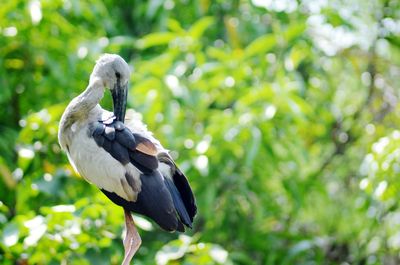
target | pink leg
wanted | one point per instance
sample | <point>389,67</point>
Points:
<point>132,238</point>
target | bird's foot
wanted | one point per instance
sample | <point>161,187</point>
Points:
<point>132,240</point>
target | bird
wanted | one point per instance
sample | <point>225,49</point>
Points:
<point>123,158</point>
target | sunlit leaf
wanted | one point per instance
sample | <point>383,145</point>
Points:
<point>155,39</point>
<point>260,46</point>
<point>198,28</point>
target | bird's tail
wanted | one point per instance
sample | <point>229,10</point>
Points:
<point>178,202</point>
<point>181,193</point>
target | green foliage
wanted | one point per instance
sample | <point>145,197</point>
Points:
<point>284,115</point>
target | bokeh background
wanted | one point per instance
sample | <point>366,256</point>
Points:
<point>284,115</point>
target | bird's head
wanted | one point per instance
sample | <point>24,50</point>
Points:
<point>114,73</point>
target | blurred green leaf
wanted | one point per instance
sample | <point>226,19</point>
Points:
<point>260,46</point>
<point>155,39</point>
<point>197,29</point>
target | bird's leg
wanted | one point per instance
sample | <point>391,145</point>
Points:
<point>132,238</point>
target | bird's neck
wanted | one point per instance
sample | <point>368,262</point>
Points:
<point>92,94</point>
<point>79,108</point>
<point>89,98</point>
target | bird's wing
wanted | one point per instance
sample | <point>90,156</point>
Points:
<point>161,197</point>
<point>124,145</point>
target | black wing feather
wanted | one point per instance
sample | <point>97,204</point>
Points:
<point>161,198</point>
<point>98,129</point>
<point>121,143</point>
<point>126,139</point>
<point>120,153</point>
<point>149,162</point>
<point>109,132</point>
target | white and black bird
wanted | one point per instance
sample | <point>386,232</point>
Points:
<point>124,160</point>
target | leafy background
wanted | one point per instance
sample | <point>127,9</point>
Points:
<point>284,114</point>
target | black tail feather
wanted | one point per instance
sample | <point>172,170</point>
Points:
<point>178,203</point>
<point>180,189</point>
<point>186,193</point>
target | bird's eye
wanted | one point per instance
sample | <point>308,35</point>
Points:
<point>117,74</point>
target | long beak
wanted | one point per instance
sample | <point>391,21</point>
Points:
<point>119,95</point>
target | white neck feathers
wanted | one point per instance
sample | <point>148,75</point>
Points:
<point>79,108</point>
